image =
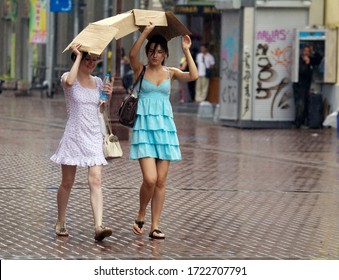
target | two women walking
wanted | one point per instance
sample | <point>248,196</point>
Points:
<point>154,141</point>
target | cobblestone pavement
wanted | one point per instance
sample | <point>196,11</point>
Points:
<point>237,193</point>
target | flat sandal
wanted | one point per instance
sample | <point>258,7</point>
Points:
<point>61,229</point>
<point>102,232</point>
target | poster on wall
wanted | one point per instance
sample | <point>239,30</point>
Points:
<point>273,94</point>
<point>38,22</point>
<point>229,66</point>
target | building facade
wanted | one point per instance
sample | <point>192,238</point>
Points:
<point>259,58</point>
<point>35,33</point>
<point>252,41</point>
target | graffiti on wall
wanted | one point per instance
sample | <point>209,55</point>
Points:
<point>246,79</point>
<point>229,69</point>
<point>273,70</point>
<point>275,35</point>
<point>283,57</point>
<point>230,88</point>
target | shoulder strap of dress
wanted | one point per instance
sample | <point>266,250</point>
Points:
<point>169,73</point>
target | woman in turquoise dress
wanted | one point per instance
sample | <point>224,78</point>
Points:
<point>154,140</point>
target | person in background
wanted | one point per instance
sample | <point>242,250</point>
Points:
<point>81,143</point>
<point>301,89</point>
<point>126,71</point>
<point>205,61</point>
<point>154,142</point>
<point>99,68</point>
<point>315,56</point>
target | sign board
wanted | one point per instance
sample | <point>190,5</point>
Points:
<point>61,6</point>
<point>196,9</point>
<point>38,22</point>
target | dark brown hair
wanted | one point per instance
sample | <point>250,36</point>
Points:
<point>158,40</point>
<point>74,56</point>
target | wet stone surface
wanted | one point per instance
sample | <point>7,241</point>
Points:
<point>237,193</point>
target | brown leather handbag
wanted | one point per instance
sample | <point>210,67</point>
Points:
<point>128,109</point>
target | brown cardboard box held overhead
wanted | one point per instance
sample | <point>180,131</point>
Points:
<point>97,35</point>
<point>94,38</point>
<point>173,27</point>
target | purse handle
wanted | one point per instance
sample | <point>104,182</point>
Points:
<point>106,118</point>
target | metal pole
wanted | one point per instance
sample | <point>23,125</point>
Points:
<point>49,50</point>
<point>119,93</point>
<point>76,18</point>
<point>137,6</point>
<point>114,12</point>
<point>106,7</point>
<point>118,47</point>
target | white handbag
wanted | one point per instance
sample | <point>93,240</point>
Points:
<point>111,145</point>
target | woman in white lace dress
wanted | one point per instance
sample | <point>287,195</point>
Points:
<point>81,144</point>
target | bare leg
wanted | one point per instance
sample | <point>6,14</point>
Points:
<point>94,182</point>
<point>64,191</point>
<point>96,198</point>
<point>158,197</point>
<point>149,172</point>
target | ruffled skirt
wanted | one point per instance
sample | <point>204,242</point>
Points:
<point>154,132</point>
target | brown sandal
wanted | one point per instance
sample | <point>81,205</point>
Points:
<point>102,232</point>
<point>61,229</point>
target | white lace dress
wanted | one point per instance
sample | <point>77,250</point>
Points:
<point>81,144</point>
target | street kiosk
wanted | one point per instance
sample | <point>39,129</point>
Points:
<point>259,47</point>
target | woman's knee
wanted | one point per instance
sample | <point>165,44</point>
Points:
<point>94,180</point>
<point>68,176</point>
<point>161,183</point>
<point>150,182</point>
<point>67,184</point>
<point>94,176</point>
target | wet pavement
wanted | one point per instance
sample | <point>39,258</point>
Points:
<point>237,193</point>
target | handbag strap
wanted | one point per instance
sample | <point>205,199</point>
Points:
<point>141,76</point>
<point>106,118</point>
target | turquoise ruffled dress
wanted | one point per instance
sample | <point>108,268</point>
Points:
<point>154,132</point>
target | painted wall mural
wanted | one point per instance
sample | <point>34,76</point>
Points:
<point>229,66</point>
<point>272,72</point>
<point>229,70</point>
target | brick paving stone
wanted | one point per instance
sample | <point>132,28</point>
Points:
<point>237,193</point>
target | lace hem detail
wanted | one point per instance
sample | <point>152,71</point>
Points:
<point>83,162</point>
